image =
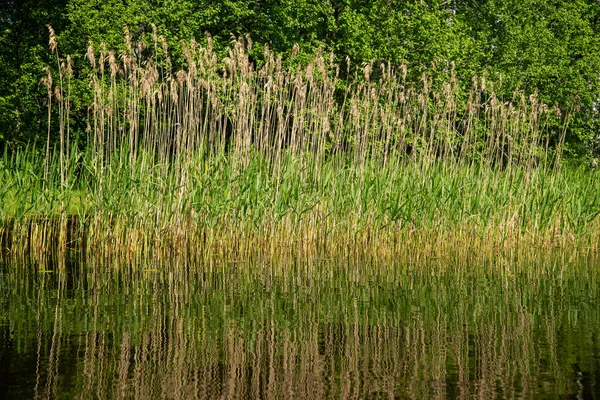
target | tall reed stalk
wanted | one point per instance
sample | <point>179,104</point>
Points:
<point>233,108</point>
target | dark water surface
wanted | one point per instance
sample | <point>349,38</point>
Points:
<point>300,331</point>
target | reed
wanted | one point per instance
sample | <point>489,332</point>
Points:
<point>226,159</point>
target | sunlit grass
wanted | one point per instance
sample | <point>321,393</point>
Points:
<point>345,211</point>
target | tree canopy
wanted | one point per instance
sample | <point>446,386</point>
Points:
<point>548,46</point>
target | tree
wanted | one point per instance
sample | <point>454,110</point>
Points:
<point>23,55</point>
<point>549,45</point>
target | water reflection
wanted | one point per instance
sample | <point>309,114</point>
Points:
<point>297,332</point>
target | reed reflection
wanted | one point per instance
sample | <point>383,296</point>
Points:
<point>273,333</point>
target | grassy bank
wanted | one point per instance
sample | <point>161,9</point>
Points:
<point>335,210</point>
<point>225,160</point>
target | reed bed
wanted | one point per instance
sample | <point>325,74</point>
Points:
<point>224,159</point>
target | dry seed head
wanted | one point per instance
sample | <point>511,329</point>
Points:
<point>298,82</point>
<point>321,64</point>
<point>154,35</point>
<point>404,70</point>
<point>238,45</point>
<point>271,62</point>
<point>354,108</point>
<point>44,82</point>
<point>141,46</point>
<point>113,64</point>
<point>447,90</point>
<point>193,71</point>
<point>146,83</point>
<point>295,49</point>
<point>57,93</point>
<point>90,55</point>
<point>181,77</point>
<point>249,43</point>
<point>69,66</point>
<point>127,39</point>
<point>164,45</point>
<point>186,51</point>
<point>48,79</point>
<point>52,40</point>
<point>367,71</point>
<point>309,71</point>
<point>173,90</point>
<point>205,84</point>
<point>533,97</point>
<point>193,46</point>
<point>242,61</point>
<point>127,61</point>
<point>556,109</point>
<point>209,43</point>
<point>494,101</point>
<point>159,93</point>
<point>230,64</point>
<point>103,52</point>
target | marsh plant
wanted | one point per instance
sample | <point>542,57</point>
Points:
<point>229,158</point>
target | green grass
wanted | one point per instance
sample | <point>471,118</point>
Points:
<point>337,209</point>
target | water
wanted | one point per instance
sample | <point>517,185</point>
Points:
<point>302,331</point>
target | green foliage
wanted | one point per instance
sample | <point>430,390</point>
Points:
<point>23,55</point>
<point>421,33</point>
<point>549,45</point>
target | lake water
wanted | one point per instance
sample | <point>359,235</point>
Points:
<point>299,331</point>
